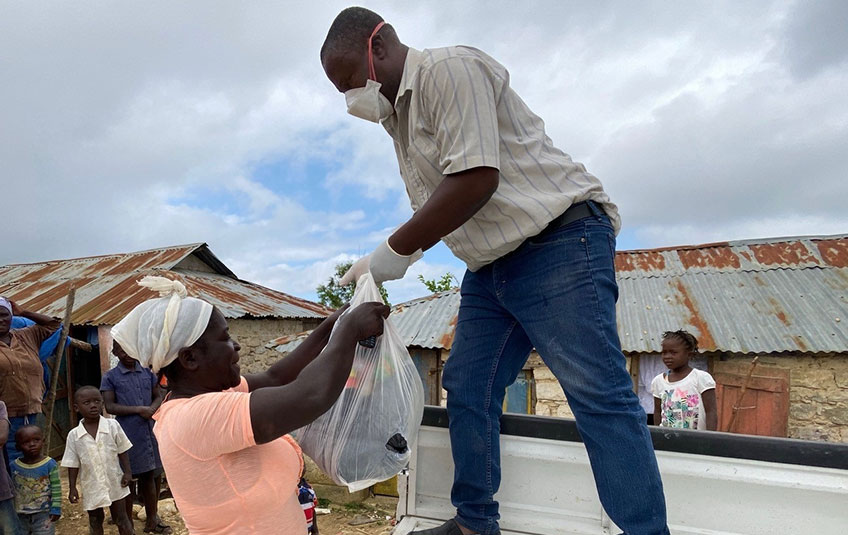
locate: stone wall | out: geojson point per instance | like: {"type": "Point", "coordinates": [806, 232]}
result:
{"type": "Point", "coordinates": [253, 334]}
{"type": "Point", "coordinates": [550, 399]}
{"type": "Point", "coordinates": [818, 391]}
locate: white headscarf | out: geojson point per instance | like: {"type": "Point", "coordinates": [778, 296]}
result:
{"type": "Point", "coordinates": [155, 331]}
{"type": "Point", "coordinates": [6, 304]}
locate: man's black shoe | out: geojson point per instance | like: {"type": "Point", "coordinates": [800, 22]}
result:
{"type": "Point", "coordinates": [448, 528]}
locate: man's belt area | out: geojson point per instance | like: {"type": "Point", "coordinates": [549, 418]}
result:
{"type": "Point", "coordinates": [574, 213]}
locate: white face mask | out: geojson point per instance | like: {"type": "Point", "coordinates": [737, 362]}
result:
{"type": "Point", "coordinates": [368, 103]}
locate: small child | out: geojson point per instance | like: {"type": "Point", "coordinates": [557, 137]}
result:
{"type": "Point", "coordinates": [308, 501]}
{"type": "Point", "coordinates": [684, 397]}
{"type": "Point", "coordinates": [96, 451]}
{"type": "Point", "coordinates": [38, 491]}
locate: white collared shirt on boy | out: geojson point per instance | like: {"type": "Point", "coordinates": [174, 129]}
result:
{"type": "Point", "coordinates": [100, 473]}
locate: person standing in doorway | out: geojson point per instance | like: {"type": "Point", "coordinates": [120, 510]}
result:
{"type": "Point", "coordinates": [537, 232]}
{"type": "Point", "coordinates": [684, 397]}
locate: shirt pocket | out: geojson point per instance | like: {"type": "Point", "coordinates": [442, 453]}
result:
{"type": "Point", "coordinates": [425, 158]}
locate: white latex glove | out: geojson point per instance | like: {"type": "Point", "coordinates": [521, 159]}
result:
{"type": "Point", "coordinates": [387, 265]}
{"type": "Point", "coordinates": [358, 269]}
{"type": "Point", "coordinates": [384, 264]}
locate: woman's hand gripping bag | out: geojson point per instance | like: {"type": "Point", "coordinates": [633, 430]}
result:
{"type": "Point", "coordinates": [367, 435]}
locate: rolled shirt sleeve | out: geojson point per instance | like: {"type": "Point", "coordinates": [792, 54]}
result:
{"type": "Point", "coordinates": [71, 458]}
{"type": "Point", "coordinates": [461, 94]}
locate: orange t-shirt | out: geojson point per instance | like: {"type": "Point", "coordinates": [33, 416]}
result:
{"type": "Point", "coordinates": [222, 482]}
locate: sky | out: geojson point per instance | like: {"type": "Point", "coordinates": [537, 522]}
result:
{"type": "Point", "coordinates": [135, 125]}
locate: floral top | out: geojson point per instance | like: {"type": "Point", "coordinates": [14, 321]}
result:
{"type": "Point", "coordinates": [681, 405]}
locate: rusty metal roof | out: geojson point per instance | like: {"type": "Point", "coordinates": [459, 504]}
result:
{"type": "Point", "coordinates": [427, 322]}
{"type": "Point", "coordinates": [286, 344]}
{"type": "Point", "coordinates": [754, 296]}
{"type": "Point", "coordinates": [106, 288]}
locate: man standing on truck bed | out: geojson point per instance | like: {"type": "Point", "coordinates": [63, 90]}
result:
{"type": "Point", "coordinates": [537, 233]}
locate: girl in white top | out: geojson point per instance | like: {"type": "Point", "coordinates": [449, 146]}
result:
{"type": "Point", "coordinates": [684, 397]}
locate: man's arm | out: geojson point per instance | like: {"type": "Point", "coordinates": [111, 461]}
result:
{"type": "Point", "coordinates": [708, 398]}
{"type": "Point", "coordinates": [286, 370]}
{"type": "Point", "coordinates": [460, 98]}
{"type": "Point", "coordinates": [455, 201]}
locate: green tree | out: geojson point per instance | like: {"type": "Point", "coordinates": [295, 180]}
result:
{"type": "Point", "coordinates": [447, 282]}
{"type": "Point", "coordinates": [334, 295]}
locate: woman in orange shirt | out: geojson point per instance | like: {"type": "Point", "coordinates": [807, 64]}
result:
{"type": "Point", "coordinates": [223, 437]}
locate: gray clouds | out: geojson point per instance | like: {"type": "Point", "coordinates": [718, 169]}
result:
{"type": "Point", "coordinates": [705, 120]}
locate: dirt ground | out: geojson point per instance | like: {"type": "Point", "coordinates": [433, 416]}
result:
{"type": "Point", "coordinates": [375, 516]}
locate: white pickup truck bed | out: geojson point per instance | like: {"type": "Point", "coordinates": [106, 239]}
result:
{"type": "Point", "coordinates": [715, 483]}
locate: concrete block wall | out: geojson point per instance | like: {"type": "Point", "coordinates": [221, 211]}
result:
{"type": "Point", "coordinates": [254, 333]}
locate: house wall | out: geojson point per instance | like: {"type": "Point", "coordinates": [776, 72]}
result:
{"type": "Point", "coordinates": [818, 391]}
{"type": "Point", "coordinates": [253, 334]}
{"type": "Point", "coordinates": [550, 399]}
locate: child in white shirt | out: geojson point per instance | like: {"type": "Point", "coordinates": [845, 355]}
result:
{"type": "Point", "coordinates": [96, 452]}
{"type": "Point", "coordinates": [684, 397]}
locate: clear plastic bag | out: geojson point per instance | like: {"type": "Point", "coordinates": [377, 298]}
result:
{"type": "Point", "coordinates": [367, 435]}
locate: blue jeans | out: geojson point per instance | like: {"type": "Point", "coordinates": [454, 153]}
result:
{"type": "Point", "coordinates": [557, 293]}
{"type": "Point", "coordinates": [37, 523]}
{"type": "Point", "coordinates": [9, 524]}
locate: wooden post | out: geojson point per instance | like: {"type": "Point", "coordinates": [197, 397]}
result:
{"type": "Point", "coordinates": [79, 344]}
{"type": "Point", "coordinates": [635, 362]}
{"type": "Point", "coordinates": [741, 395]}
{"type": "Point", "coordinates": [57, 364]}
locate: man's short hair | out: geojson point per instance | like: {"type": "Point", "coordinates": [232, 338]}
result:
{"type": "Point", "coordinates": [350, 31]}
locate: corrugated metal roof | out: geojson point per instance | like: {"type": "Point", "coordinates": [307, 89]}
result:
{"type": "Point", "coordinates": [286, 344]}
{"type": "Point", "coordinates": [106, 288]}
{"type": "Point", "coordinates": [754, 296]}
{"type": "Point", "coordinates": [427, 322]}
{"type": "Point", "coordinates": [749, 255]}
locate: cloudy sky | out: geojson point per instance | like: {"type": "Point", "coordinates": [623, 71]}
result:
{"type": "Point", "coordinates": [135, 125]}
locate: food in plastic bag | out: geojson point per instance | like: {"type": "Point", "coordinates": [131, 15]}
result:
{"type": "Point", "coordinates": [367, 435]}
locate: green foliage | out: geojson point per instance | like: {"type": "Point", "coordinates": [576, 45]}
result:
{"type": "Point", "coordinates": [356, 507]}
{"type": "Point", "coordinates": [447, 282]}
{"type": "Point", "coordinates": [334, 296]}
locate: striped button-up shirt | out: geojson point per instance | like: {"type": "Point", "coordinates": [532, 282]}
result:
{"type": "Point", "coordinates": [456, 111]}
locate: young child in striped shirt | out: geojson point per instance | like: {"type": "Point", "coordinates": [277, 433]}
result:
{"type": "Point", "coordinates": [38, 491]}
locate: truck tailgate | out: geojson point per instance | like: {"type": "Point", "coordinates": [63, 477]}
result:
{"type": "Point", "coordinates": [547, 486]}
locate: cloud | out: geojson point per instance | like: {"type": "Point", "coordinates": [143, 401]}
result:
{"type": "Point", "coordinates": [132, 126]}
{"type": "Point", "coordinates": [815, 38]}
